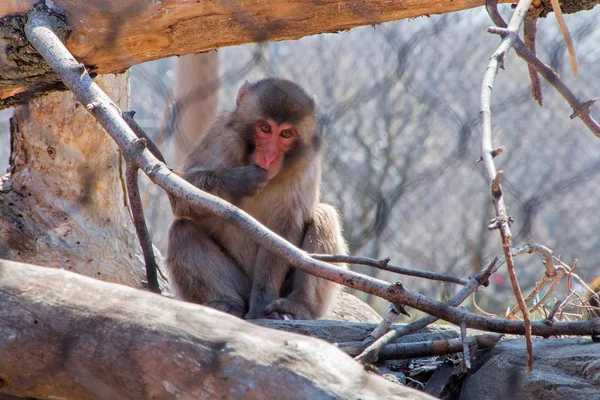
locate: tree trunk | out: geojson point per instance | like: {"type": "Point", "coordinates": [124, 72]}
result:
{"type": "Point", "coordinates": [63, 204]}
{"type": "Point", "coordinates": [194, 110]}
{"type": "Point", "coordinates": [67, 336]}
{"type": "Point", "coordinates": [197, 99]}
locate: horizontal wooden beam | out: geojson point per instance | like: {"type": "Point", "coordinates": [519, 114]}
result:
{"type": "Point", "coordinates": [109, 36]}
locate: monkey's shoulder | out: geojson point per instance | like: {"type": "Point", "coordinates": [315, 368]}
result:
{"type": "Point", "coordinates": [218, 148]}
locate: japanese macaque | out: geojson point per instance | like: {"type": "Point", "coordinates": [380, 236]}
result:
{"type": "Point", "coordinates": [265, 157]}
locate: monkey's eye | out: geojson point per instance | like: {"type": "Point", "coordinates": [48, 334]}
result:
{"type": "Point", "coordinates": [266, 128]}
{"type": "Point", "coordinates": [287, 133]}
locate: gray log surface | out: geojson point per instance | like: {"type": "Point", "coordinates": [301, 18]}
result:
{"type": "Point", "coordinates": [63, 335]}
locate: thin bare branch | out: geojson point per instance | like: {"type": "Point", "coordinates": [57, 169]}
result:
{"type": "Point", "coordinates": [399, 351]}
{"type": "Point", "coordinates": [481, 310]}
{"type": "Point", "coordinates": [384, 264]}
{"type": "Point", "coordinates": [384, 325]}
{"type": "Point", "coordinates": [465, 347]}
{"type": "Point", "coordinates": [494, 178]}
{"type": "Point", "coordinates": [552, 273]}
{"type": "Point", "coordinates": [558, 306]}
{"type": "Point", "coordinates": [137, 213]}
{"type": "Point", "coordinates": [534, 292]}
{"type": "Point", "coordinates": [546, 295]}
{"type": "Point", "coordinates": [370, 354]}
{"type": "Point", "coordinates": [139, 132]}
{"type": "Point", "coordinates": [548, 258]}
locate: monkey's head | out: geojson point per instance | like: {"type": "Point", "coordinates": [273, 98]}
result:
{"type": "Point", "coordinates": [276, 119]}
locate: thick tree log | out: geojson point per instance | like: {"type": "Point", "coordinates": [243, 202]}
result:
{"type": "Point", "coordinates": [109, 36]}
{"type": "Point", "coordinates": [63, 335]}
{"type": "Point", "coordinates": [63, 204]}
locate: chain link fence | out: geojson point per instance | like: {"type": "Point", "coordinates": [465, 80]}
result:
{"type": "Point", "coordinates": [399, 106]}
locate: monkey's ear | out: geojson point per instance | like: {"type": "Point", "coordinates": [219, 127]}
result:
{"type": "Point", "coordinates": [245, 88]}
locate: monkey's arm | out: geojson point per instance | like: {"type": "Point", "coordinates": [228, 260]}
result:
{"type": "Point", "coordinates": [230, 184]}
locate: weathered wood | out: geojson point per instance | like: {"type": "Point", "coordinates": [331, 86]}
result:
{"type": "Point", "coordinates": [64, 204]}
{"type": "Point", "coordinates": [63, 335]}
{"type": "Point", "coordinates": [109, 36]}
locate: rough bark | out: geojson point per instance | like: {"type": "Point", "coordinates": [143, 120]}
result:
{"type": "Point", "coordinates": [63, 204]}
{"type": "Point", "coordinates": [63, 335]}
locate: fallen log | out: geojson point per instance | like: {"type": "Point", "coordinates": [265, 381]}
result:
{"type": "Point", "coordinates": [63, 335]}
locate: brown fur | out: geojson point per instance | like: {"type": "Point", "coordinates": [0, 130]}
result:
{"type": "Point", "coordinates": [593, 298]}
{"type": "Point", "coordinates": [212, 262]}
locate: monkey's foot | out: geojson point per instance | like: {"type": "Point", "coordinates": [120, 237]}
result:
{"type": "Point", "coordinates": [227, 306]}
{"type": "Point", "coordinates": [287, 309]}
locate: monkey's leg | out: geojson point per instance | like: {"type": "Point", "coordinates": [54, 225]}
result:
{"type": "Point", "coordinates": [269, 274]}
{"type": "Point", "coordinates": [311, 297]}
{"type": "Point", "coordinates": [200, 272]}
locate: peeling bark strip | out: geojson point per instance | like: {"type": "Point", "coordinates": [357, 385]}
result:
{"type": "Point", "coordinates": [68, 336]}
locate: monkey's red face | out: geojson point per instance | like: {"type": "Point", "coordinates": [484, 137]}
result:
{"type": "Point", "coordinates": [273, 141]}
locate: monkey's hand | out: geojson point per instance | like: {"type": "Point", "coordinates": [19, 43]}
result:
{"type": "Point", "coordinates": [243, 181]}
{"type": "Point", "coordinates": [288, 309]}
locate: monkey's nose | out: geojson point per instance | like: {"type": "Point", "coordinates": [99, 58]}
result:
{"type": "Point", "coordinates": [267, 161]}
